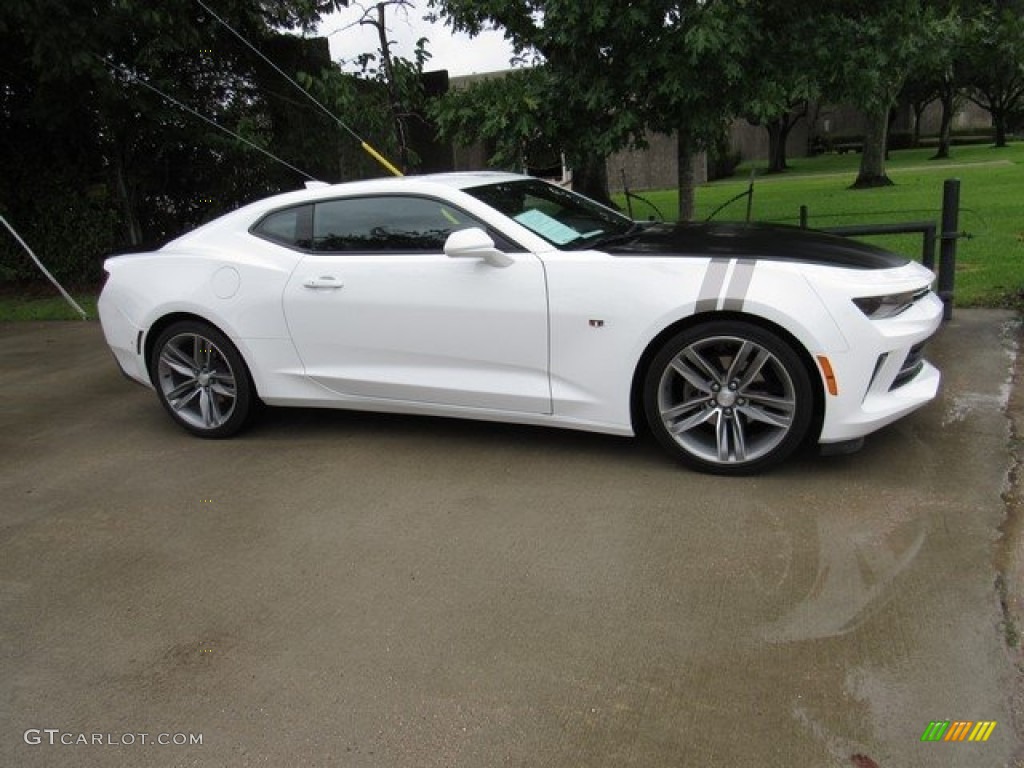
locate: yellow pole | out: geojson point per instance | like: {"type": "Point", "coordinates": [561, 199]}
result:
{"type": "Point", "coordinates": [380, 159]}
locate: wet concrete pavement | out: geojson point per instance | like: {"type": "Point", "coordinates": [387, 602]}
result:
{"type": "Point", "coordinates": [362, 590]}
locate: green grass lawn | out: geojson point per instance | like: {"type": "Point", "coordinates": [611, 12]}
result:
{"type": "Point", "coordinates": [990, 265]}
{"type": "Point", "coordinates": [14, 307]}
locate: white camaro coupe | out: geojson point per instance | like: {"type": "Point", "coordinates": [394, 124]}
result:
{"type": "Point", "coordinates": [501, 297]}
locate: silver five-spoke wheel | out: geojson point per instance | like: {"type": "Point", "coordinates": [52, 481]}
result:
{"type": "Point", "coordinates": [201, 379]}
{"type": "Point", "coordinates": [728, 397]}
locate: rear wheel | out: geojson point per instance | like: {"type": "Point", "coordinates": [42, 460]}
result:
{"type": "Point", "coordinates": [201, 379]}
{"type": "Point", "coordinates": [728, 397]}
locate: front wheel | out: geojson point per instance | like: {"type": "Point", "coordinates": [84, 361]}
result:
{"type": "Point", "coordinates": [728, 397]}
{"type": "Point", "coordinates": [201, 379]}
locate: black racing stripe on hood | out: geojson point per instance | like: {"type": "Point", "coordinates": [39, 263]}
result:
{"type": "Point", "coordinates": [756, 241]}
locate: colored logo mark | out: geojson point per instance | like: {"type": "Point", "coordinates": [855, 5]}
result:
{"type": "Point", "coordinates": [958, 730]}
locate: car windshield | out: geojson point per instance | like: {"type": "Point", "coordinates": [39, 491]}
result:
{"type": "Point", "coordinates": [563, 218]}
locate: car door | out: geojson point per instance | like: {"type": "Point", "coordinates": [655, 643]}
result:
{"type": "Point", "coordinates": [377, 310]}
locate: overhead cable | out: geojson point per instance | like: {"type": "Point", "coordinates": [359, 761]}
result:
{"type": "Point", "coordinates": [135, 78]}
{"type": "Point", "coordinates": [362, 142]}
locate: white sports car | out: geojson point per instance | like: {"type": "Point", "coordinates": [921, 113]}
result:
{"type": "Point", "coordinates": [501, 297]}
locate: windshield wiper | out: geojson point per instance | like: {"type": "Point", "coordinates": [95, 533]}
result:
{"type": "Point", "coordinates": [611, 239]}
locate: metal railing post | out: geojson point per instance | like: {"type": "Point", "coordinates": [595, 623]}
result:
{"type": "Point", "coordinates": [946, 236]}
{"type": "Point", "coordinates": [947, 250]}
{"type": "Point", "coordinates": [928, 247]}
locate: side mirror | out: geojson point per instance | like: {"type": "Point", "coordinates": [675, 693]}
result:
{"type": "Point", "coordinates": [474, 243]}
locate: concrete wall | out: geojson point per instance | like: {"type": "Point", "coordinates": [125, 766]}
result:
{"type": "Point", "coordinates": [970, 117]}
{"type": "Point", "coordinates": [844, 121]}
{"type": "Point", "coordinates": [655, 167]}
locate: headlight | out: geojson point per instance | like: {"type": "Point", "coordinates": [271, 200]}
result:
{"type": "Point", "coordinates": [890, 305]}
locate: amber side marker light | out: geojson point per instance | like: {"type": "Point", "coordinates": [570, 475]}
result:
{"type": "Point", "coordinates": [830, 377]}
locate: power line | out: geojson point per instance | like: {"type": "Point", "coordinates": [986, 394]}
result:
{"type": "Point", "coordinates": [362, 142]}
{"type": "Point", "coordinates": [135, 78]}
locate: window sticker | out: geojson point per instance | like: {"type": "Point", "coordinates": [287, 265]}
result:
{"type": "Point", "coordinates": [547, 227]}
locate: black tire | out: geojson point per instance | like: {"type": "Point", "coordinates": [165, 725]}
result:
{"type": "Point", "coordinates": [201, 379]}
{"type": "Point", "coordinates": [728, 397]}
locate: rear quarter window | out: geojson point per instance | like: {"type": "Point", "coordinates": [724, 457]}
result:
{"type": "Point", "coordinates": [292, 227]}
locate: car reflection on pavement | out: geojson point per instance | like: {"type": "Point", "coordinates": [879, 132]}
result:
{"type": "Point", "coordinates": [860, 561]}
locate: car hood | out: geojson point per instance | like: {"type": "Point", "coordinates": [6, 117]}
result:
{"type": "Point", "coordinates": [755, 241]}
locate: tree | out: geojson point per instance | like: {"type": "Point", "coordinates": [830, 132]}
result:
{"type": "Point", "coordinates": [80, 86]}
{"type": "Point", "coordinates": [936, 73]}
{"type": "Point", "coordinates": [577, 97]}
{"type": "Point", "coordinates": [781, 62]}
{"type": "Point", "coordinates": [507, 111]}
{"type": "Point", "coordinates": [877, 42]}
{"type": "Point", "coordinates": [995, 61]}
{"type": "Point", "coordinates": [918, 93]}
{"type": "Point", "coordinates": [612, 71]}
{"type": "Point", "coordinates": [399, 80]}
{"type": "Point", "coordinates": [779, 125]}
{"type": "Point", "coordinates": [692, 84]}
{"type": "Point", "coordinates": [950, 101]}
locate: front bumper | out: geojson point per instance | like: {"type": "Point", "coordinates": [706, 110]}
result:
{"type": "Point", "coordinates": [884, 375]}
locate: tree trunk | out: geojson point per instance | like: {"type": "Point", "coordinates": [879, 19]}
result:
{"type": "Point", "coordinates": [872, 159]}
{"type": "Point", "coordinates": [945, 125]}
{"type": "Point", "coordinates": [888, 131]}
{"type": "Point", "coordinates": [590, 178]}
{"type": "Point", "coordinates": [398, 124]}
{"type": "Point", "coordinates": [919, 108]}
{"type": "Point", "coordinates": [999, 108]}
{"type": "Point", "coordinates": [685, 178]}
{"type": "Point", "coordinates": [777, 135]}
{"type": "Point", "coordinates": [999, 123]}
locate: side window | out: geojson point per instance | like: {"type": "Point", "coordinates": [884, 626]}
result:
{"type": "Point", "coordinates": [291, 227]}
{"type": "Point", "coordinates": [386, 225]}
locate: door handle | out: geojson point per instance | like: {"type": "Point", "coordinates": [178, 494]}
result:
{"type": "Point", "coordinates": [324, 282]}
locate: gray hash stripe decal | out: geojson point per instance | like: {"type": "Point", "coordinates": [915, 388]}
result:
{"type": "Point", "coordinates": [742, 274]}
{"type": "Point", "coordinates": [714, 279]}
